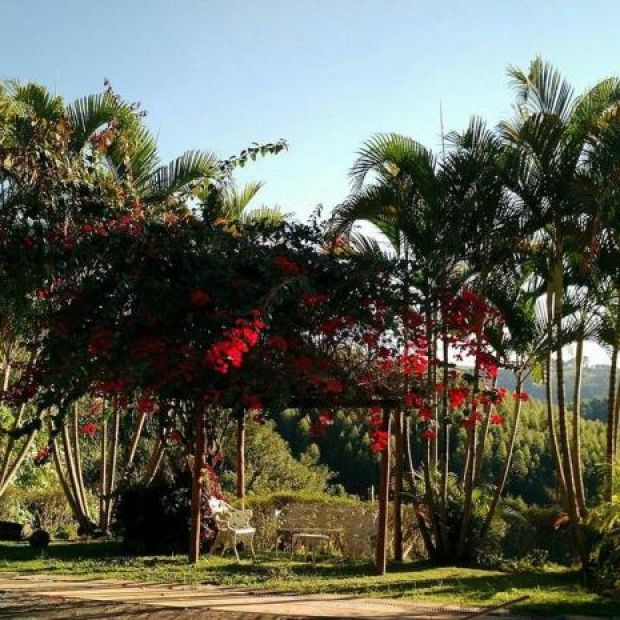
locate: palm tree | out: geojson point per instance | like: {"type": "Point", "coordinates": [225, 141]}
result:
{"type": "Point", "coordinates": [547, 142]}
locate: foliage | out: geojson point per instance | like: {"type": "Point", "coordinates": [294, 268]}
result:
{"type": "Point", "coordinates": [270, 467]}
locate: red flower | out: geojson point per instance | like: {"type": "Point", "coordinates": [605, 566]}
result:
{"type": "Point", "coordinates": [278, 343]}
{"type": "Point", "coordinates": [200, 297]}
{"type": "Point", "coordinates": [457, 397]}
{"type": "Point", "coordinates": [429, 434]}
{"type": "Point", "coordinates": [379, 441]}
{"type": "Point", "coordinates": [495, 418]}
{"type": "Point", "coordinates": [333, 386]}
{"type": "Point", "coordinates": [313, 299]}
{"type": "Point", "coordinates": [522, 396]}
{"type": "Point", "coordinates": [286, 265]}
{"type": "Point", "coordinates": [251, 401]}
{"type": "Point", "coordinates": [88, 429]}
{"type": "Point", "coordinates": [303, 363]}
{"type": "Point", "coordinates": [175, 437]}
{"type": "Point", "coordinates": [326, 418]}
{"type": "Point", "coordinates": [42, 456]}
{"type": "Point", "coordinates": [146, 404]}
{"type": "Point", "coordinates": [425, 414]}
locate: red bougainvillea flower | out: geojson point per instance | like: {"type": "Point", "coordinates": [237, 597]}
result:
{"type": "Point", "coordinates": [88, 429]}
{"type": "Point", "coordinates": [333, 386]}
{"type": "Point", "coordinates": [303, 363]}
{"type": "Point", "coordinates": [376, 416]}
{"type": "Point", "coordinates": [429, 434]}
{"type": "Point", "coordinates": [311, 300]}
{"type": "Point", "coordinates": [496, 418]}
{"type": "Point", "coordinates": [326, 418]}
{"type": "Point", "coordinates": [379, 441]}
{"type": "Point", "coordinates": [146, 404]}
{"type": "Point", "coordinates": [458, 396]}
{"type": "Point", "coordinates": [413, 400]}
{"type": "Point", "coordinates": [251, 401]}
{"type": "Point", "coordinates": [175, 437]}
{"type": "Point", "coordinates": [42, 456]}
{"type": "Point", "coordinates": [317, 430]}
{"type": "Point", "coordinates": [425, 414]}
{"type": "Point", "coordinates": [286, 265]}
{"type": "Point", "coordinates": [439, 387]}
{"type": "Point", "coordinates": [522, 396]}
{"type": "Point", "coordinates": [278, 342]}
{"type": "Point", "coordinates": [200, 297]}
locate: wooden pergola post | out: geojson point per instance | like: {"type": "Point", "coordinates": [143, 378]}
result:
{"type": "Point", "coordinates": [197, 483]}
{"type": "Point", "coordinates": [384, 492]}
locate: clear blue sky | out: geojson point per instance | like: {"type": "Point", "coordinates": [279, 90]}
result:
{"type": "Point", "coordinates": [324, 74]}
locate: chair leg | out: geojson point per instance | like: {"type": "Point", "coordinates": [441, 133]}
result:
{"type": "Point", "coordinates": [235, 547]}
{"type": "Point", "coordinates": [252, 547]}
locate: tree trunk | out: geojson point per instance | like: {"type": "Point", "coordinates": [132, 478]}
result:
{"type": "Point", "coordinates": [398, 485]}
{"type": "Point", "coordinates": [199, 456]}
{"type": "Point", "coordinates": [133, 443]}
{"type": "Point", "coordinates": [565, 447]}
{"type": "Point", "coordinates": [576, 447]}
{"type": "Point", "coordinates": [154, 462]}
{"type": "Point", "coordinates": [611, 411]}
{"type": "Point", "coordinates": [75, 437]}
{"type": "Point", "coordinates": [12, 468]}
{"type": "Point", "coordinates": [431, 549]}
{"type": "Point", "coordinates": [503, 478]}
{"type": "Point", "coordinates": [113, 460]}
{"type": "Point", "coordinates": [103, 474]}
{"type": "Point", "coordinates": [384, 492]}
{"type": "Point", "coordinates": [241, 458]}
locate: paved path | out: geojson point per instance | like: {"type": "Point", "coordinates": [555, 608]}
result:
{"type": "Point", "coordinates": [45, 597]}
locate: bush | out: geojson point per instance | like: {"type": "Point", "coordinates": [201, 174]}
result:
{"type": "Point", "coordinates": [39, 539]}
{"type": "Point", "coordinates": [154, 519]}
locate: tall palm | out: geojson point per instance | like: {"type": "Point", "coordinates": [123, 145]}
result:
{"type": "Point", "coordinates": [547, 142]}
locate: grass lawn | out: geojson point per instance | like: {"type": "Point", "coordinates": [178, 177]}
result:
{"type": "Point", "coordinates": [552, 592]}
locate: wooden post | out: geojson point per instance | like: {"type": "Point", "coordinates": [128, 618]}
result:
{"type": "Point", "coordinates": [384, 491]}
{"type": "Point", "coordinates": [199, 455]}
{"type": "Point", "coordinates": [241, 458]}
{"type": "Point", "coordinates": [398, 486]}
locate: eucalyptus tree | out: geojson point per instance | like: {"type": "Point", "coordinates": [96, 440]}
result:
{"type": "Point", "coordinates": [547, 141]}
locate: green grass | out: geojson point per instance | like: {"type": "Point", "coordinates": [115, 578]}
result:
{"type": "Point", "coordinates": [552, 592]}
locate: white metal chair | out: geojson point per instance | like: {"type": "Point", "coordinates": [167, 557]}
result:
{"type": "Point", "coordinates": [234, 527]}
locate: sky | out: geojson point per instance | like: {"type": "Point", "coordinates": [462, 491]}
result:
{"type": "Point", "coordinates": [323, 74]}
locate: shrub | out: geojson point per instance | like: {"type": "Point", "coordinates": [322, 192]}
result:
{"type": "Point", "coordinates": [39, 539]}
{"type": "Point", "coordinates": [155, 519]}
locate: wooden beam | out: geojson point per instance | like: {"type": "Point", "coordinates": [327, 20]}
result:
{"type": "Point", "coordinates": [199, 455]}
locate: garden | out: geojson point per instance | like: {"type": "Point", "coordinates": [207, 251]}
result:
{"type": "Point", "coordinates": [200, 390]}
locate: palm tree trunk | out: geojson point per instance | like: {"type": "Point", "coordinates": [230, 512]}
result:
{"type": "Point", "coordinates": [611, 423]}
{"type": "Point", "coordinates": [133, 442]}
{"type": "Point", "coordinates": [384, 492]}
{"type": "Point", "coordinates": [576, 452]}
{"type": "Point", "coordinates": [197, 484]}
{"type": "Point", "coordinates": [431, 549]}
{"type": "Point", "coordinates": [241, 458]}
{"type": "Point", "coordinates": [113, 460]}
{"type": "Point", "coordinates": [154, 462]}
{"type": "Point", "coordinates": [12, 468]}
{"type": "Point", "coordinates": [565, 446]}
{"type": "Point", "coordinates": [75, 439]}
{"type": "Point", "coordinates": [398, 485]}
{"type": "Point", "coordinates": [103, 474]}
{"type": "Point", "coordinates": [555, 448]}
{"type": "Point", "coordinates": [503, 478]}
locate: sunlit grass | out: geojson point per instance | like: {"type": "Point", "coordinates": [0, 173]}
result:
{"type": "Point", "coordinates": [551, 592]}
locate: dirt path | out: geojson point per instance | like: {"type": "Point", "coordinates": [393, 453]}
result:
{"type": "Point", "coordinates": [52, 598]}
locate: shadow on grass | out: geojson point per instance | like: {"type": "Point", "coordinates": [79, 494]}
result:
{"type": "Point", "coordinates": [553, 592]}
